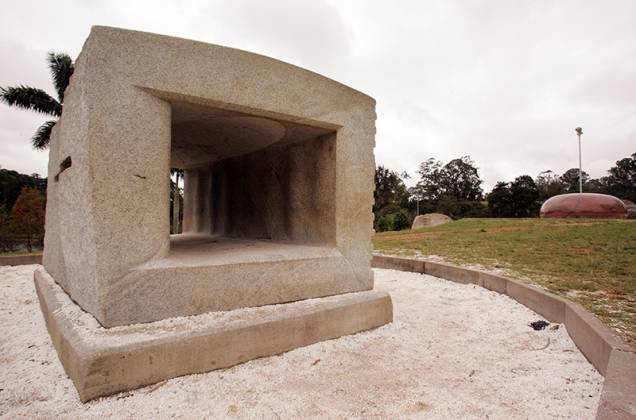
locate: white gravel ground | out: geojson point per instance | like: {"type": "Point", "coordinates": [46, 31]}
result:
{"type": "Point", "coordinates": [454, 351]}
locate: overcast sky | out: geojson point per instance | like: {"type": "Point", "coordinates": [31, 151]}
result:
{"type": "Point", "coordinates": [504, 82]}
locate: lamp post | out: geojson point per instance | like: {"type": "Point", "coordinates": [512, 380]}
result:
{"type": "Point", "coordinates": [579, 131]}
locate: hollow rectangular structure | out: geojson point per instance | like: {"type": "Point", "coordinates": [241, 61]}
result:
{"type": "Point", "coordinates": [278, 187]}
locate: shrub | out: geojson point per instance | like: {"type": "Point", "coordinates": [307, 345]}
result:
{"type": "Point", "coordinates": [384, 224]}
{"type": "Point", "coordinates": [401, 221]}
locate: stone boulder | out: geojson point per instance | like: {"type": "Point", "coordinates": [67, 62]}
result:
{"type": "Point", "coordinates": [590, 205]}
{"type": "Point", "coordinates": [430, 219]}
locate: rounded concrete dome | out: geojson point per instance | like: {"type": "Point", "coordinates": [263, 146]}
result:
{"type": "Point", "coordinates": [584, 205]}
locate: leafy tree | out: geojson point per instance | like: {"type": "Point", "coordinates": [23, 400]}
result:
{"type": "Point", "coordinates": [176, 201]}
{"type": "Point", "coordinates": [525, 197]}
{"type": "Point", "coordinates": [621, 181]}
{"type": "Point", "coordinates": [500, 201]}
{"type": "Point", "coordinates": [519, 198]}
{"type": "Point", "coordinates": [428, 187]}
{"type": "Point", "coordinates": [38, 100]}
{"type": "Point", "coordinates": [455, 208]}
{"type": "Point", "coordinates": [7, 242]}
{"type": "Point", "coordinates": [27, 217]}
{"type": "Point", "coordinates": [453, 188]}
{"type": "Point", "coordinates": [596, 186]}
{"type": "Point", "coordinates": [549, 184]}
{"type": "Point", "coordinates": [458, 179]}
{"type": "Point", "coordinates": [570, 180]}
{"type": "Point", "coordinates": [391, 197]}
{"type": "Point", "coordinates": [384, 224]}
{"type": "Point", "coordinates": [12, 182]}
{"type": "Point", "coordinates": [401, 221]}
{"type": "Point", "coordinates": [389, 188]}
{"type": "Point", "coordinates": [461, 180]}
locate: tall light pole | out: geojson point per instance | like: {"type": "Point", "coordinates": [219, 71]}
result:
{"type": "Point", "coordinates": [579, 131]}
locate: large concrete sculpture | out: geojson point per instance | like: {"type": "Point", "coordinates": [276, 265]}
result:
{"type": "Point", "coordinates": [278, 166]}
{"type": "Point", "coordinates": [585, 205]}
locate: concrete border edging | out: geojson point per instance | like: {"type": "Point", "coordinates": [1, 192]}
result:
{"type": "Point", "coordinates": [396, 263]}
{"type": "Point", "coordinates": [21, 260]}
{"type": "Point", "coordinates": [607, 352]}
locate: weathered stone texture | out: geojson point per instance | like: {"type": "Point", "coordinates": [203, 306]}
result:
{"type": "Point", "coordinates": [278, 170]}
{"type": "Point", "coordinates": [278, 184]}
{"type": "Point", "coordinates": [429, 220]}
{"type": "Point", "coordinates": [102, 362]}
{"type": "Point", "coordinates": [587, 205]}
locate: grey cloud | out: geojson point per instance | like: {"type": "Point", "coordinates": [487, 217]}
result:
{"type": "Point", "coordinates": [311, 34]}
{"type": "Point", "coordinates": [503, 82]}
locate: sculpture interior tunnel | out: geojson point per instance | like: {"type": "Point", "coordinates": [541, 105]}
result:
{"type": "Point", "coordinates": [252, 178]}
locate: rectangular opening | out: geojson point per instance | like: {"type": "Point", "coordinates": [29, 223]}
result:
{"type": "Point", "coordinates": [259, 187]}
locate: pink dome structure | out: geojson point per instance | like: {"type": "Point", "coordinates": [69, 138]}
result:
{"type": "Point", "coordinates": [591, 205]}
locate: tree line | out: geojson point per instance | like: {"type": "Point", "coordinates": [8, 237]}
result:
{"type": "Point", "coordinates": [22, 203]}
{"type": "Point", "coordinates": [455, 189]}
{"type": "Point", "coordinates": [22, 197]}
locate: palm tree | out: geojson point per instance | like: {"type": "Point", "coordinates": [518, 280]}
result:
{"type": "Point", "coordinates": [175, 201]}
{"type": "Point", "coordinates": [34, 99]}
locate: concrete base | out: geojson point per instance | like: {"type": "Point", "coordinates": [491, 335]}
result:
{"type": "Point", "coordinates": [21, 260]}
{"type": "Point", "coordinates": [104, 361]}
{"type": "Point", "coordinates": [212, 273]}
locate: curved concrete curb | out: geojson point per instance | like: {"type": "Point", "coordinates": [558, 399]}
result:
{"type": "Point", "coordinates": [21, 260]}
{"type": "Point", "coordinates": [610, 355]}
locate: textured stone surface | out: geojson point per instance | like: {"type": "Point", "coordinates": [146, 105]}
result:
{"type": "Point", "coordinates": [273, 155]}
{"type": "Point", "coordinates": [396, 263]}
{"type": "Point", "coordinates": [430, 219]}
{"type": "Point", "coordinates": [594, 339]}
{"type": "Point", "coordinates": [105, 361]}
{"type": "Point", "coordinates": [618, 400]}
{"type": "Point", "coordinates": [493, 282]}
{"type": "Point", "coordinates": [282, 193]}
{"type": "Point", "coordinates": [451, 272]}
{"type": "Point", "coordinates": [550, 306]}
{"type": "Point", "coordinates": [593, 205]}
{"type": "Point", "coordinates": [225, 274]}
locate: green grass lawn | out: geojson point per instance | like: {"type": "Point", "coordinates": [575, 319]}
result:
{"type": "Point", "coordinates": [589, 261]}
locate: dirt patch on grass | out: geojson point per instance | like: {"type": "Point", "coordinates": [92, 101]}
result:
{"type": "Point", "coordinates": [410, 237]}
{"type": "Point", "coordinates": [507, 229]}
{"type": "Point", "coordinates": [573, 224]}
{"type": "Point", "coordinates": [534, 226]}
